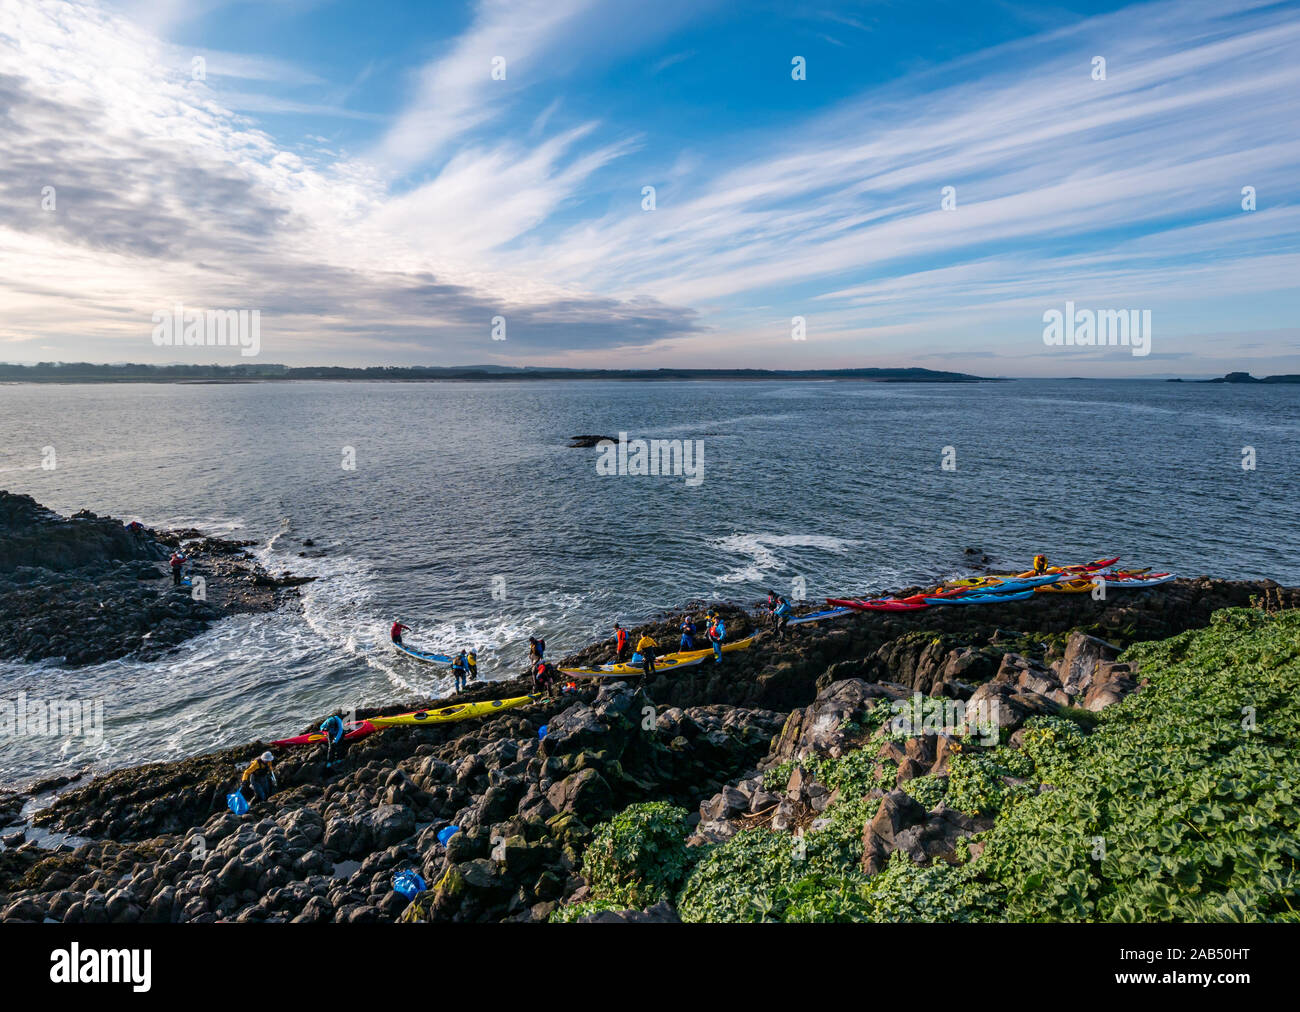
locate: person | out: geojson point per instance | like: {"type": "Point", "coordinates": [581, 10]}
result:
{"type": "Point", "coordinates": [646, 647]}
{"type": "Point", "coordinates": [620, 642]}
{"type": "Point", "coordinates": [135, 527]}
{"type": "Point", "coordinates": [260, 776]}
{"type": "Point", "coordinates": [536, 649]}
{"type": "Point", "coordinates": [333, 731]}
{"type": "Point", "coordinates": [688, 634]}
{"type": "Point", "coordinates": [177, 561]}
{"type": "Point", "coordinates": [396, 631]}
{"type": "Point", "coordinates": [471, 663]}
{"type": "Point", "coordinates": [1040, 564]}
{"type": "Point", "coordinates": [460, 669]}
{"type": "Point", "coordinates": [714, 636]}
{"type": "Point", "coordinates": [781, 614]}
{"type": "Point", "coordinates": [543, 677]}
{"type": "Point", "coordinates": [772, 598]}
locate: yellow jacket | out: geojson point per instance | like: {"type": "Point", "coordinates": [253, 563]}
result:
{"type": "Point", "coordinates": [256, 768]}
{"type": "Point", "coordinates": [644, 642]}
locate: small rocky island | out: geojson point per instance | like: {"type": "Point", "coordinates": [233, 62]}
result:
{"type": "Point", "coordinates": [86, 589]}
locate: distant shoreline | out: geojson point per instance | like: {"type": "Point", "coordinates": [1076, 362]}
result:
{"type": "Point", "coordinates": [131, 373]}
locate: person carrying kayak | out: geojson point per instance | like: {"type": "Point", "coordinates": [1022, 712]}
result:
{"type": "Point", "coordinates": [260, 776]}
{"type": "Point", "coordinates": [333, 731]}
{"type": "Point", "coordinates": [646, 647]}
{"type": "Point", "coordinates": [177, 561]}
{"type": "Point", "coordinates": [781, 615]}
{"type": "Point", "coordinates": [688, 634]}
{"type": "Point", "coordinates": [1040, 565]}
{"type": "Point", "coordinates": [620, 642]}
{"type": "Point", "coordinates": [460, 669]}
{"type": "Point", "coordinates": [396, 631]}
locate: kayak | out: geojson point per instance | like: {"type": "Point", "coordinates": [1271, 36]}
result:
{"type": "Point", "coordinates": [681, 657]}
{"type": "Point", "coordinates": [420, 655]}
{"type": "Point", "coordinates": [817, 616]}
{"type": "Point", "coordinates": [1066, 587]}
{"type": "Point", "coordinates": [1154, 580]}
{"type": "Point", "coordinates": [983, 598]}
{"type": "Point", "coordinates": [1086, 567]}
{"type": "Point", "coordinates": [626, 668]}
{"type": "Point", "coordinates": [1019, 584]}
{"type": "Point", "coordinates": [460, 711]}
{"type": "Point", "coordinates": [359, 729]}
{"type": "Point", "coordinates": [878, 604]}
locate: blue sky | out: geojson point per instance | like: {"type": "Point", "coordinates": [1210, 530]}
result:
{"type": "Point", "coordinates": [354, 171]}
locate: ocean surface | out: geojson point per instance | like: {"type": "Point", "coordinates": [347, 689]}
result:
{"type": "Point", "coordinates": [467, 516]}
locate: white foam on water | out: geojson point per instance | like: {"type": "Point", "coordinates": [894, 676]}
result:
{"type": "Point", "coordinates": [761, 549]}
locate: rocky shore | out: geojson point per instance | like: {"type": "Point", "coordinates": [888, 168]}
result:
{"type": "Point", "coordinates": [85, 589]}
{"type": "Point", "coordinates": [624, 802]}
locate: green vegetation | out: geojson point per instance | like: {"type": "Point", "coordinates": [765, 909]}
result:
{"type": "Point", "coordinates": [637, 858]}
{"type": "Point", "coordinates": [1182, 805]}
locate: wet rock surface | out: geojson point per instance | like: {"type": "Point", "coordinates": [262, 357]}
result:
{"type": "Point", "coordinates": [86, 589]}
{"type": "Point", "coordinates": [495, 816]}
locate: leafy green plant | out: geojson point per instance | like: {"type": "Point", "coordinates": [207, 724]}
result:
{"type": "Point", "coordinates": [639, 857]}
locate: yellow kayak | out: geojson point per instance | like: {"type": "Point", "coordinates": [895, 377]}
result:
{"type": "Point", "coordinates": [460, 711]}
{"type": "Point", "coordinates": [683, 659]}
{"type": "Point", "coordinates": [1067, 587]}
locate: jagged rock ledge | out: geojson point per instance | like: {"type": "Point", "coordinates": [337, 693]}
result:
{"type": "Point", "coordinates": [86, 589]}
{"type": "Point", "coordinates": [162, 847]}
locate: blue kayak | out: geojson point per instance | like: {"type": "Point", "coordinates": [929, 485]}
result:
{"type": "Point", "coordinates": [420, 655]}
{"type": "Point", "coordinates": [983, 598]}
{"type": "Point", "coordinates": [1015, 586]}
{"type": "Point", "coordinates": [817, 616]}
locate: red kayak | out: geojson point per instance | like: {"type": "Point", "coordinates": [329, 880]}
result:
{"type": "Point", "coordinates": [359, 729]}
{"type": "Point", "coordinates": [878, 604]}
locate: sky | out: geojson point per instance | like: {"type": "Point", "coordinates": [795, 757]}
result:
{"type": "Point", "coordinates": [918, 183]}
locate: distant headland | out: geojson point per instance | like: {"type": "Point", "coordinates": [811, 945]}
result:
{"type": "Point", "coordinates": [1245, 377]}
{"type": "Point", "coordinates": [88, 372]}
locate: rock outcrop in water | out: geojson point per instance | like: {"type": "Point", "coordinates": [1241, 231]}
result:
{"type": "Point", "coordinates": [85, 589]}
{"type": "Point", "coordinates": [741, 743]}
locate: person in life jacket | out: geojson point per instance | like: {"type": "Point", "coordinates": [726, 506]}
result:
{"type": "Point", "coordinates": [781, 613]}
{"type": "Point", "coordinates": [620, 642]}
{"type": "Point", "coordinates": [177, 561]}
{"type": "Point", "coordinates": [536, 649]}
{"type": "Point", "coordinates": [396, 631]}
{"type": "Point", "coordinates": [714, 636]}
{"type": "Point", "coordinates": [260, 776]}
{"type": "Point", "coordinates": [460, 669]}
{"type": "Point", "coordinates": [688, 634]}
{"type": "Point", "coordinates": [543, 677]}
{"type": "Point", "coordinates": [646, 647]}
{"type": "Point", "coordinates": [772, 598]}
{"type": "Point", "coordinates": [1040, 564]}
{"type": "Point", "coordinates": [471, 663]}
{"type": "Point", "coordinates": [333, 731]}
{"type": "Point", "coordinates": [135, 527]}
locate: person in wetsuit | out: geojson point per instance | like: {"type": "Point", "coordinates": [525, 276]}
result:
{"type": "Point", "coordinates": [333, 731]}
